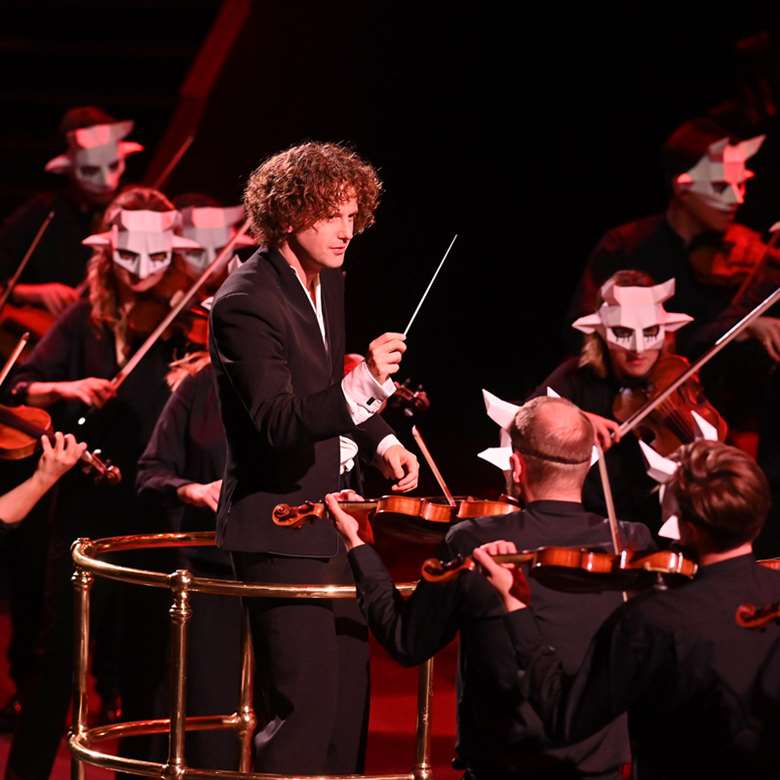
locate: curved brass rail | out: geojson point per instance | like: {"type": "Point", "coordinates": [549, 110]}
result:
{"type": "Point", "coordinates": [82, 740]}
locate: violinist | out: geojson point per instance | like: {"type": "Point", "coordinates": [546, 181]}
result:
{"type": "Point", "coordinates": [68, 373]}
{"type": "Point", "coordinates": [294, 427]}
{"type": "Point", "coordinates": [92, 166]}
{"type": "Point", "coordinates": [498, 737]}
{"type": "Point", "coordinates": [625, 345]}
{"type": "Point", "coordinates": [700, 691]}
{"type": "Point", "coordinates": [58, 457]}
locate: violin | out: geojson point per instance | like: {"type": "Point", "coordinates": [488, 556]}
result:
{"type": "Point", "coordinates": [409, 401]}
{"type": "Point", "coordinates": [424, 519]}
{"type": "Point", "coordinates": [21, 428]}
{"type": "Point", "coordinates": [581, 570]}
{"type": "Point", "coordinates": [671, 422]}
{"type": "Point", "coordinates": [150, 307]}
{"type": "Point", "coordinates": [728, 260]}
{"type": "Point", "coordinates": [752, 616]}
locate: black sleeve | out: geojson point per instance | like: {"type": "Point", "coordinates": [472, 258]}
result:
{"type": "Point", "coordinates": [248, 343]}
{"type": "Point", "coordinates": [561, 380]}
{"type": "Point", "coordinates": [164, 461]}
{"type": "Point", "coordinates": [370, 433]}
{"type": "Point", "coordinates": [411, 630]}
{"type": "Point", "coordinates": [622, 664]}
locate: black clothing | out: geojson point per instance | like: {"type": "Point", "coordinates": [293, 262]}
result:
{"type": "Point", "coordinates": [72, 350]}
{"type": "Point", "coordinates": [631, 487]}
{"type": "Point", "coordinates": [499, 736]}
{"type": "Point", "coordinates": [281, 403]}
{"type": "Point", "coordinates": [60, 257]}
{"type": "Point", "coordinates": [188, 445]}
{"type": "Point", "coordinates": [700, 691]}
{"type": "Point", "coordinates": [650, 245]}
{"type": "Point", "coordinates": [283, 410]}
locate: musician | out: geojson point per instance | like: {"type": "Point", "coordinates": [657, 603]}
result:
{"type": "Point", "coordinates": [624, 340]}
{"type": "Point", "coordinates": [498, 736]}
{"type": "Point", "coordinates": [69, 371]}
{"type": "Point", "coordinates": [700, 691]}
{"type": "Point", "coordinates": [57, 459]}
{"type": "Point", "coordinates": [181, 468]}
{"type": "Point", "coordinates": [92, 166]}
{"type": "Point", "coordinates": [294, 427]}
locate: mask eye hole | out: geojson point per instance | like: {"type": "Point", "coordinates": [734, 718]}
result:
{"type": "Point", "coordinates": [622, 334]}
{"type": "Point", "coordinates": [127, 256]}
{"type": "Point", "coordinates": [89, 170]}
{"type": "Point", "coordinates": [651, 332]}
{"type": "Point", "coordinates": [158, 257]}
{"type": "Point", "coordinates": [114, 166]}
{"type": "Point", "coordinates": [720, 186]}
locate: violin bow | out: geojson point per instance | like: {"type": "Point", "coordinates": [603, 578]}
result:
{"type": "Point", "coordinates": [14, 280]}
{"type": "Point", "coordinates": [173, 162]}
{"type": "Point", "coordinates": [430, 284]}
{"type": "Point", "coordinates": [770, 246]}
{"type": "Point", "coordinates": [432, 464]}
{"type": "Point", "coordinates": [216, 266]}
{"type": "Point", "coordinates": [614, 526]}
{"type": "Point", "coordinates": [13, 357]}
{"type": "Point", "coordinates": [722, 342]}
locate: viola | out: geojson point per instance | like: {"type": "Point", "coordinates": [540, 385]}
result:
{"type": "Point", "coordinates": [728, 260]}
{"type": "Point", "coordinates": [581, 570]}
{"type": "Point", "coordinates": [21, 428]}
{"type": "Point", "coordinates": [671, 422]}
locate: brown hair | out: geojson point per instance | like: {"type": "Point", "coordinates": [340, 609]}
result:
{"type": "Point", "coordinates": [722, 490]}
{"type": "Point", "coordinates": [594, 350]}
{"type": "Point", "coordinates": [191, 364]}
{"type": "Point", "coordinates": [103, 295]}
{"type": "Point", "coordinates": [555, 439]}
{"type": "Point", "coordinates": [297, 187]}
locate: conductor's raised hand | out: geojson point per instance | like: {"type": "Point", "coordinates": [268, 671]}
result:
{"type": "Point", "coordinates": [384, 355]}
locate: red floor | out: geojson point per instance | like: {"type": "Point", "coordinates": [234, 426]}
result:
{"type": "Point", "coordinates": [391, 746]}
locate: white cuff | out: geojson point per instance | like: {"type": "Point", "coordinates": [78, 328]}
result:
{"type": "Point", "coordinates": [389, 441]}
{"type": "Point", "coordinates": [364, 395]}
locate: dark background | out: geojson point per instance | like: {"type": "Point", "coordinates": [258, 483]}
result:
{"type": "Point", "coordinates": [526, 130]}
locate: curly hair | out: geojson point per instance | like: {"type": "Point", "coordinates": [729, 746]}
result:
{"type": "Point", "coordinates": [594, 350]}
{"type": "Point", "coordinates": [103, 293]}
{"type": "Point", "coordinates": [306, 183]}
{"type": "Point", "coordinates": [722, 490]}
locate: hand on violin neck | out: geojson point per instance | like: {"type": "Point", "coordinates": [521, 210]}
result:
{"type": "Point", "coordinates": [396, 462]}
{"type": "Point", "coordinates": [607, 432]}
{"type": "Point", "coordinates": [508, 580]}
{"type": "Point", "coordinates": [346, 525]}
{"type": "Point", "coordinates": [384, 355]}
{"type": "Point", "coordinates": [58, 458]}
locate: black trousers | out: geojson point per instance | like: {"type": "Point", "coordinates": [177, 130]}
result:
{"type": "Point", "coordinates": [312, 676]}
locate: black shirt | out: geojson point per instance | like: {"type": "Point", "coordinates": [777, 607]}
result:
{"type": "Point", "coordinates": [187, 445]}
{"type": "Point", "coordinates": [497, 733]}
{"type": "Point", "coordinates": [631, 487]}
{"type": "Point", "coordinates": [60, 257]}
{"type": "Point", "coordinates": [701, 693]}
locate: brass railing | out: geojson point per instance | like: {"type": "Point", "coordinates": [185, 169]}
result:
{"type": "Point", "coordinates": [83, 740]}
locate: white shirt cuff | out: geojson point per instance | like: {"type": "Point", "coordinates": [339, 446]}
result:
{"type": "Point", "coordinates": [389, 441]}
{"type": "Point", "coordinates": [364, 395]}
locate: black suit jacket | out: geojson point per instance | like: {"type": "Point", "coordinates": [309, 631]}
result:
{"type": "Point", "coordinates": [281, 403]}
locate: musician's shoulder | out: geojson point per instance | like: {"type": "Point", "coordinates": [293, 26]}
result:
{"type": "Point", "coordinates": [475, 531]}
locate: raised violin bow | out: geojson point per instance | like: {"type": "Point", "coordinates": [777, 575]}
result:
{"type": "Point", "coordinates": [694, 368]}
{"type": "Point", "coordinates": [14, 280]}
{"type": "Point", "coordinates": [432, 465]}
{"type": "Point", "coordinates": [173, 162]}
{"type": "Point", "coordinates": [13, 357]}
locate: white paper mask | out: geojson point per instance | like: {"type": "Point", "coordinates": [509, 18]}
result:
{"type": "Point", "coordinates": [142, 241]}
{"type": "Point", "coordinates": [720, 175]}
{"type": "Point", "coordinates": [662, 469]}
{"type": "Point", "coordinates": [211, 227]}
{"type": "Point", "coordinates": [96, 156]}
{"type": "Point", "coordinates": [633, 318]}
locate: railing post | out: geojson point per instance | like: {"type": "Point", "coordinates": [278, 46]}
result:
{"type": "Point", "coordinates": [423, 769]}
{"type": "Point", "coordinates": [82, 587]}
{"type": "Point", "coordinates": [246, 713]}
{"type": "Point", "coordinates": [180, 613]}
